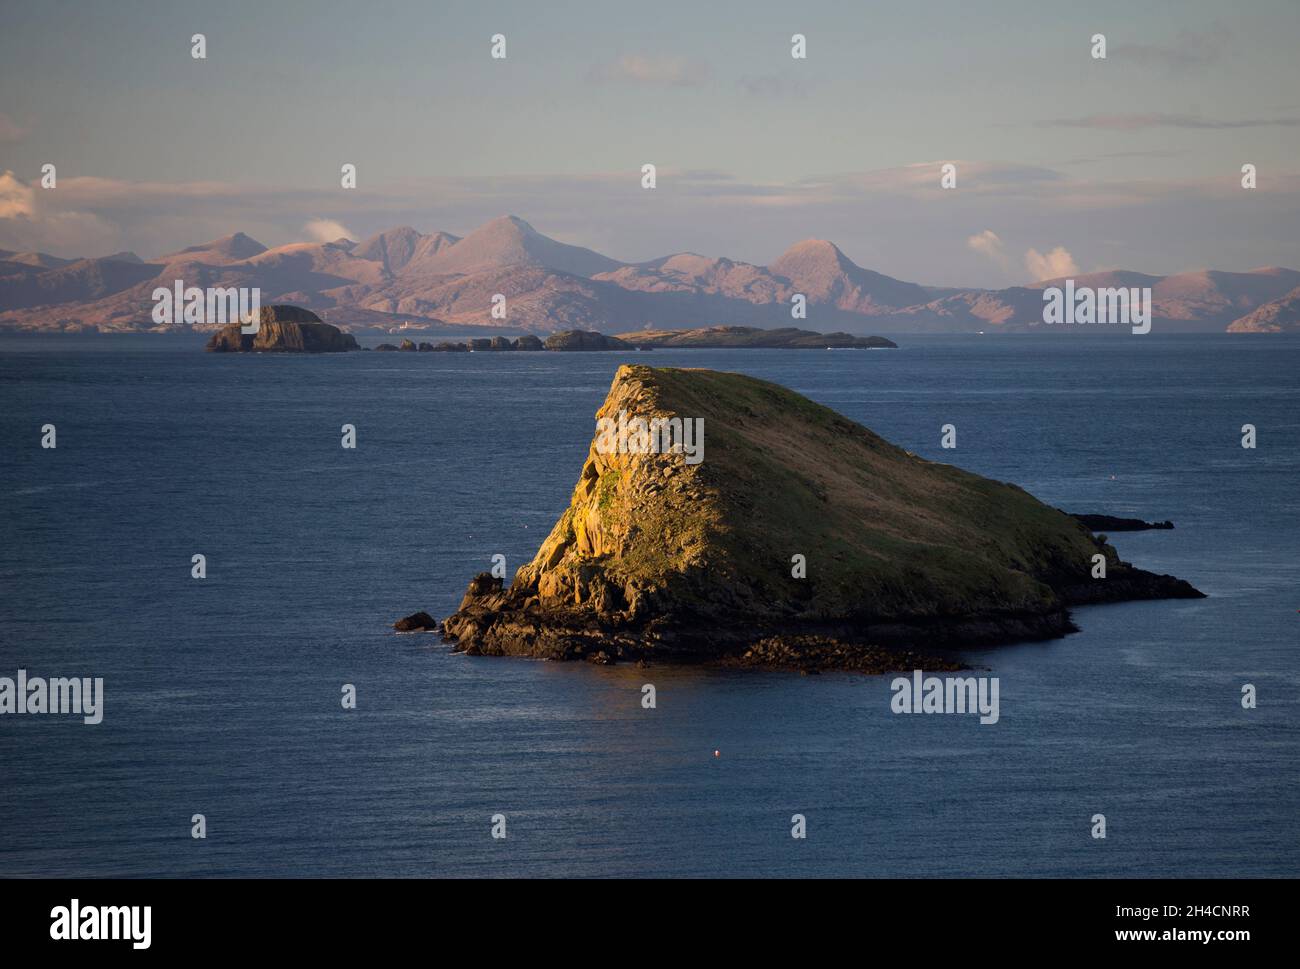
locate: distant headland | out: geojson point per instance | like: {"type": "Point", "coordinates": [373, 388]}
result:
{"type": "Point", "coordinates": [713, 337]}
{"type": "Point", "coordinates": [782, 338]}
{"type": "Point", "coordinates": [1111, 523]}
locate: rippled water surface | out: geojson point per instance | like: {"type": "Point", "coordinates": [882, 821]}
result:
{"type": "Point", "coordinates": [223, 695]}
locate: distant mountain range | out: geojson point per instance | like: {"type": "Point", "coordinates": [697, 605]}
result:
{"type": "Point", "coordinates": [402, 278]}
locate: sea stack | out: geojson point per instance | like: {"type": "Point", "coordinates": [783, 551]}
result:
{"type": "Point", "coordinates": [283, 328]}
{"type": "Point", "coordinates": [798, 530]}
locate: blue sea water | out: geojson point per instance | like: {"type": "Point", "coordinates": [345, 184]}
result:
{"type": "Point", "coordinates": [223, 695]}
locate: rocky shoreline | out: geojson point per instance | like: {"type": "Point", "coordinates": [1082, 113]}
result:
{"type": "Point", "coordinates": [492, 622]}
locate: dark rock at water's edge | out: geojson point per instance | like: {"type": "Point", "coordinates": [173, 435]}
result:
{"type": "Point", "coordinates": [416, 622]}
{"type": "Point", "coordinates": [495, 344]}
{"type": "Point", "coordinates": [286, 329]}
{"type": "Point", "coordinates": [1109, 523]}
{"type": "Point", "coordinates": [584, 340]}
{"type": "Point", "coordinates": [659, 560]}
{"type": "Point", "coordinates": [386, 348]}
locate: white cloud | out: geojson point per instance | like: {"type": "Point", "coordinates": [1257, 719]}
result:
{"type": "Point", "coordinates": [1052, 265]}
{"type": "Point", "coordinates": [327, 230]}
{"type": "Point", "coordinates": [17, 201]}
{"type": "Point", "coordinates": [641, 69]}
{"type": "Point", "coordinates": [26, 223]}
{"type": "Point", "coordinates": [987, 243]}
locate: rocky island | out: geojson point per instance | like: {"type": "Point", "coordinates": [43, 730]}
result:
{"type": "Point", "coordinates": [801, 540]}
{"type": "Point", "coordinates": [285, 329]}
{"type": "Point", "coordinates": [1111, 523]}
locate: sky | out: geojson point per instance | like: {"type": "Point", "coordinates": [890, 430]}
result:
{"type": "Point", "coordinates": [1063, 161]}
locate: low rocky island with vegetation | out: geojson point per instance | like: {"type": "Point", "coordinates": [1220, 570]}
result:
{"type": "Point", "coordinates": [752, 337]}
{"type": "Point", "coordinates": [801, 540]}
{"type": "Point", "coordinates": [563, 340]}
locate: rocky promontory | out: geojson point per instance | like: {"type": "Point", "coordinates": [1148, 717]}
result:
{"type": "Point", "coordinates": [283, 328]}
{"type": "Point", "coordinates": [1111, 523]}
{"type": "Point", "coordinates": [799, 533]}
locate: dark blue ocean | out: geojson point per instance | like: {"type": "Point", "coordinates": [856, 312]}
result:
{"type": "Point", "coordinates": [223, 694]}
